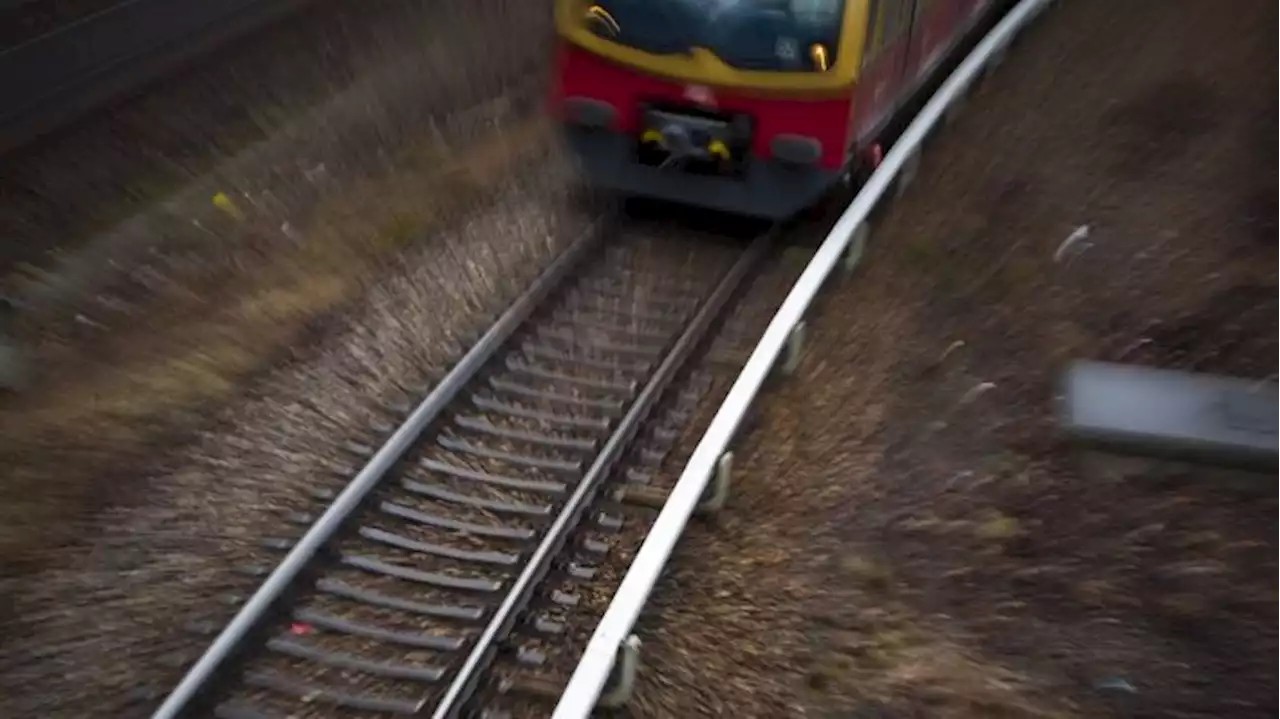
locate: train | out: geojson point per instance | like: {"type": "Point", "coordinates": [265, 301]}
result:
{"type": "Point", "coordinates": [758, 108]}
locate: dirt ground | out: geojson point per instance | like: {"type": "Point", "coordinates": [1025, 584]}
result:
{"type": "Point", "coordinates": [908, 537]}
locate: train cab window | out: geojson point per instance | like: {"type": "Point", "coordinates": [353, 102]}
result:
{"type": "Point", "coordinates": [768, 35]}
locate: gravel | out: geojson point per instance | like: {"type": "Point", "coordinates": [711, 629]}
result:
{"type": "Point", "coordinates": [906, 537]}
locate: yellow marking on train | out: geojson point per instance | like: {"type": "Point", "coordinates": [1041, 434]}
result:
{"type": "Point", "coordinates": [703, 67]}
{"type": "Point", "coordinates": [719, 149]}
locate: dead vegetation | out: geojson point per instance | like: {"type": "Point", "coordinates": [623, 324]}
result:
{"type": "Point", "coordinates": [159, 569]}
{"type": "Point", "coordinates": [202, 363]}
{"type": "Point", "coordinates": [427, 59]}
{"type": "Point", "coordinates": [907, 537]}
{"type": "Point", "coordinates": [136, 336]}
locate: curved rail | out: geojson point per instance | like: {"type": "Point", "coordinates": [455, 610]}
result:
{"type": "Point", "coordinates": [476, 629]}
{"type": "Point", "coordinates": [844, 241]}
{"type": "Point", "coordinates": [465, 681]}
{"type": "Point", "coordinates": [202, 672]}
{"type": "Point", "coordinates": [51, 79]}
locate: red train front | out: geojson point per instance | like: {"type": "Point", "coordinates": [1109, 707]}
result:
{"type": "Point", "coordinates": [756, 107]}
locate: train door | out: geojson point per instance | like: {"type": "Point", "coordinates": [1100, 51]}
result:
{"type": "Point", "coordinates": [884, 78]}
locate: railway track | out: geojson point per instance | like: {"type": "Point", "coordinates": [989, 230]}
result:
{"type": "Point", "coordinates": [448, 578]}
{"type": "Point", "coordinates": [450, 574]}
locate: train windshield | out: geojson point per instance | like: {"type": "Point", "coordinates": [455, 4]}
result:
{"type": "Point", "coordinates": [768, 35]}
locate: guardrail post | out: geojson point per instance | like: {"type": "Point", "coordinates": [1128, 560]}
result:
{"type": "Point", "coordinates": [907, 175]}
{"type": "Point", "coordinates": [622, 680]}
{"type": "Point", "coordinates": [952, 113]}
{"type": "Point", "coordinates": [795, 343]}
{"type": "Point", "coordinates": [857, 247]}
{"type": "Point", "coordinates": [719, 493]}
{"type": "Point", "coordinates": [713, 498]}
{"type": "Point", "coordinates": [997, 59]}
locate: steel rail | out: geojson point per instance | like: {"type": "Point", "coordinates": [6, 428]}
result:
{"type": "Point", "coordinates": [589, 677]}
{"type": "Point", "coordinates": [202, 673]}
{"type": "Point", "coordinates": [468, 676]}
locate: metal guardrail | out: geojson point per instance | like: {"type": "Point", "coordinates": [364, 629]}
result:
{"type": "Point", "coordinates": [845, 241]}
{"type": "Point", "coordinates": [51, 79]}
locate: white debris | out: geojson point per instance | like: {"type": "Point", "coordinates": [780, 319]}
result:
{"type": "Point", "coordinates": [1080, 234]}
{"type": "Point", "coordinates": [90, 322]}
{"type": "Point", "coordinates": [317, 174]}
{"type": "Point", "coordinates": [977, 391]}
{"type": "Point", "coordinates": [958, 344]}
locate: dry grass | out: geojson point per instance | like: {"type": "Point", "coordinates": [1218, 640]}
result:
{"type": "Point", "coordinates": [179, 367]}
{"type": "Point", "coordinates": [204, 363]}
{"type": "Point", "coordinates": [906, 536]}
{"type": "Point", "coordinates": [426, 58]}
{"type": "Point", "coordinates": [141, 333]}
{"type": "Point", "coordinates": [774, 609]}
{"type": "Point", "coordinates": [168, 559]}
{"type": "Point", "coordinates": [891, 653]}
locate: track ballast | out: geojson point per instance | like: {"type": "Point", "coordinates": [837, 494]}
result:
{"type": "Point", "coordinates": [455, 580]}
